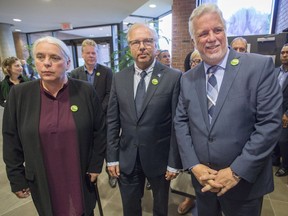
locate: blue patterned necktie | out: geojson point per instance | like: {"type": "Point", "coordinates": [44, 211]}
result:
{"type": "Point", "coordinates": [140, 93]}
{"type": "Point", "coordinates": [212, 90]}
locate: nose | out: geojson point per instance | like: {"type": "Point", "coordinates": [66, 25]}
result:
{"type": "Point", "coordinates": [47, 61]}
{"type": "Point", "coordinates": [211, 36]}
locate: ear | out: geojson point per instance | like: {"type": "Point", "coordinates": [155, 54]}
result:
{"type": "Point", "coordinates": [68, 64]}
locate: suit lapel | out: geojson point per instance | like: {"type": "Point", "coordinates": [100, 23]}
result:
{"type": "Point", "coordinates": [82, 74]}
{"type": "Point", "coordinates": [155, 81]}
{"type": "Point", "coordinates": [129, 86]}
{"type": "Point", "coordinates": [97, 76]}
{"type": "Point", "coordinates": [229, 76]}
{"type": "Point", "coordinates": [200, 79]}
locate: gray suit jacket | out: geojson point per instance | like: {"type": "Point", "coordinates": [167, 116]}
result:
{"type": "Point", "coordinates": [102, 82]}
{"type": "Point", "coordinates": [245, 126]}
{"type": "Point", "coordinates": [152, 134]}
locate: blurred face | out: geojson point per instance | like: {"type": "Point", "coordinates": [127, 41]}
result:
{"type": "Point", "coordinates": [284, 56]}
{"type": "Point", "coordinates": [89, 55]}
{"type": "Point", "coordinates": [164, 58]}
{"type": "Point", "coordinates": [16, 69]}
{"type": "Point", "coordinates": [195, 61]}
{"type": "Point", "coordinates": [239, 46]}
{"type": "Point", "coordinates": [142, 46]}
{"type": "Point", "coordinates": [210, 38]}
{"type": "Point", "coordinates": [50, 63]}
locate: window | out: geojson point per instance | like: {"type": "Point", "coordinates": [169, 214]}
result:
{"type": "Point", "coordinates": [246, 17]}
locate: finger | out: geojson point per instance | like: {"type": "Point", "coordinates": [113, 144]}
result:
{"type": "Point", "coordinates": [117, 171]}
{"type": "Point", "coordinates": [206, 177]}
{"type": "Point", "coordinates": [206, 188]}
{"type": "Point", "coordinates": [214, 184]}
{"type": "Point", "coordinates": [222, 191]}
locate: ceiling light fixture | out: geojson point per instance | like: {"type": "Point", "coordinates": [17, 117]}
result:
{"type": "Point", "coordinates": [17, 30]}
{"type": "Point", "coordinates": [17, 20]}
{"type": "Point", "coordinates": [152, 6]}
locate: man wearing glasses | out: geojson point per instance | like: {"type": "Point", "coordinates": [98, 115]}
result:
{"type": "Point", "coordinates": [142, 103]}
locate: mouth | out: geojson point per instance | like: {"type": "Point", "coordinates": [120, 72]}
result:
{"type": "Point", "coordinates": [213, 48]}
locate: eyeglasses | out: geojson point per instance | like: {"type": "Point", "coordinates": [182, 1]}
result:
{"type": "Point", "coordinates": [195, 61]}
{"type": "Point", "coordinates": [284, 52]}
{"type": "Point", "coordinates": [146, 42]}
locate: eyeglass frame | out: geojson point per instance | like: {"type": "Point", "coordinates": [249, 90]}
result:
{"type": "Point", "coordinates": [147, 42]}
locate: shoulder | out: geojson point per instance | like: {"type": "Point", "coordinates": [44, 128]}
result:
{"type": "Point", "coordinates": [103, 68]}
{"type": "Point", "coordinates": [77, 70]}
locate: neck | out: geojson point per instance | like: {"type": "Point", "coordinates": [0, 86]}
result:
{"type": "Point", "coordinates": [90, 68]}
{"type": "Point", "coordinates": [285, 67]}
{"type": "Point", "coordinates": [54, 87]}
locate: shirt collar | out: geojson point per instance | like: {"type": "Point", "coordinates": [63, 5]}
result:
{"type": "Point", "coordinates": [85, 69]}
{"type": "Point", "coordinates": [282, 69]}
{"type": "Point", "coordinates": [148, 70]}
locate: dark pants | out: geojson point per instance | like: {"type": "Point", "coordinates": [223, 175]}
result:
{"type": "Point", "coordinates": [283, 144]}
{"type": "Point", "coordinates": [132, 190]}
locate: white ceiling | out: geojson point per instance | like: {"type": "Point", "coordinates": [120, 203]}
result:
{"type": "Point", "coordinates": [43, 15]}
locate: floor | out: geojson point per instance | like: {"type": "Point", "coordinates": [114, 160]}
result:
{"type": "Point", "coordinates": [275, 204]}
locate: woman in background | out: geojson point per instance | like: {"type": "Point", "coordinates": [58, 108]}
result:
{"type": "Point", "coordinates": [184, 182]}
{"type": "Point", "coordinates": [64, 146]}
{"type": "Point", "coordinates": [12, 69]}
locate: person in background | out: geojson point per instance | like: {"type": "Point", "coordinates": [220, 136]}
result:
{"type": "Point", "coordinates": [63, 148]}
{"type": "Point", "coordinates": [12, 70]}
{"type": "Point", "coordinates": [226, 126]}
{"type": "Point", "coordinates": [164, 57]}
{"type": "Point", "coordinates": [239, 44]}
{"type": "Point", "coordinates": [188, 190]}
{"type": "Point", "coordinates": [27, 70]}
{"type": "Point", "coordinates": [282, 146]}
{"type": "Point", "coordinates": [97, 75]}
{"type": "Point", "coordinates": [142, 104]}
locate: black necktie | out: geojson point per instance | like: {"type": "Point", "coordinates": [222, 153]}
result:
{"type": "Point", "coordinates": [140, 93]}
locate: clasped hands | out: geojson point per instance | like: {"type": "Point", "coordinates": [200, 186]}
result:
{"type": "Point", "coordinates": [214, 181]}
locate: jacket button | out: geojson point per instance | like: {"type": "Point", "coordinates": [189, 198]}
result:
{"type": "Point", "coordinates": [210, 139]}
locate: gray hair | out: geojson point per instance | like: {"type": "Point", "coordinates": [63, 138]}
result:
{"type": "Point", "coordinates": [52, 40]}
{"type": "Point", "coordinates": [138, 25]}
{"type": "Point", "coordinates": [239, 39]}
{"type": "Point", "coordinates": [201, 10]}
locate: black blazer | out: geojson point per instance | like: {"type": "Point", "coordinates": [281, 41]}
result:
{"type": "Point", "coordinates": [152, 134]}
{"type": "Point", "coordinates": [21, 141]}
{"type": "Point", "coordinates": [102, 82]}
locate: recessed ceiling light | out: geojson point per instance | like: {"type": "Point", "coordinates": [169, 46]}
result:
{"type": "Point", "coordinates": [152, 6]}
{"type": "Point", "coordinates": [17, 30]}
{"type": "Point", "coordinates": [17, 20]}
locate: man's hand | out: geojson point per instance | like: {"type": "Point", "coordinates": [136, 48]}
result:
{"type": "Point", "coordinates": [170, 175]}
{"type": "Point", "coordinates": [93, 177]}
{"type": "Point", "coordinates": [23, 194]}
{"type": "Point", "coordinates": [114, 171]}
{"type": "Point", "coordinates": [205, 177]}
{"type": "Point", "coordinates": [284, 121]}
{"type": "Point", "coordinates": [225, 177]}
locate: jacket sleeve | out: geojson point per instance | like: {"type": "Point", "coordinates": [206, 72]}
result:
{"type": "Point", "coordinates": [13, 155]}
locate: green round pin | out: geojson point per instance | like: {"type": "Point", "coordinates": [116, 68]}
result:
{"type": "Point", "coordinates": [98, 74]}
{"type": "Point", "coordinates": [155, 81]}
{"type": "Point", "coordinates": [235, 62]}
{"type": "Point", "coordinates": [74, 108]}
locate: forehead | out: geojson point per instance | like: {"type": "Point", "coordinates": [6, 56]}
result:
{"type": "Point", "coordinates": [207, 21]}
{"type": "Point", "coordinates": [285, 48]}
{"type": "Point", "coordinates": [238, 43]}
{"type": "Point", "coordinates": [48, 48]}
{"type": "Point", "coordinates": [164, 53]}
{"type": "Point", "coordinates": [140, 33]}
{"type": "Point", "coordinates": [89, 48]}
